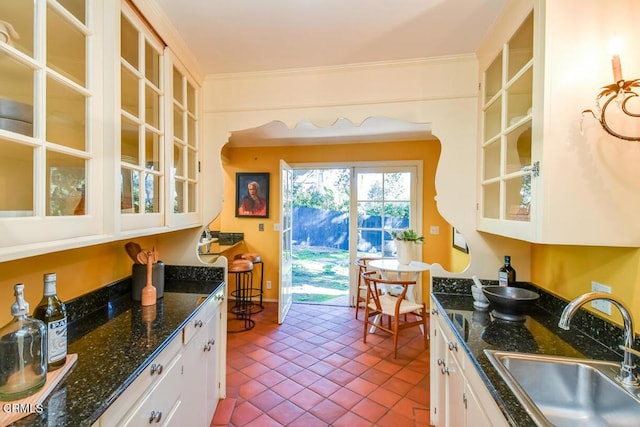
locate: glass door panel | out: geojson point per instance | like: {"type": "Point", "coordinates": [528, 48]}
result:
{"type": "Point", "coordinates": [178, 196]}
{"type": "Point", "coordinates": [519, 148]}
{"type": "Point", "coordinates": [129, 137]}
{"type": "Point", "coordinates": [20, 14]}
{"type": "Point", "coordinates": [151, 193]}
{"type": "Point", "coordinates": [493, 79]}
{"type": "Point", "coordinates": [493, 119]}
{"type": "Point", "coordinates": [178, 125]}
{"type": "Point", "coordinates": [519, 98]}
{"type": "Point", "coordinates": [152, 107]}
{"type": "Point", "coordinates": [192, 197]}
{"type": "Point", "coordinates": [16, 96]}
{"type": "Point", "coordinates": [521, 47]}
{"type": "Point", "coordinates": [66, 115]}
{"type": "Point", "coordinates": [66, 177]}
{"type": "Point", "coordinates": [76, 8]}
{"type": "Point", "coordinates": [128, 42]}
{"type": "Point", "coordinates": [517, 198]}
{"type": "Point", "coordinates": [178, 165]}
{"type": "Point", "coordinates": [16, 179]}
{"type": "Point", "coordinates": [385, 203]}
{"type": "Point", "coordinates": [129, 97]}
{"type": "Point", "coordinates": [152, 64]}
{"type": "Point", "coordinates": [152, 151]}
{"type": "Point", "coordinates": [491, 200]}
{"type": "Point", "coordinates": [66, 47]}
{"type": "Point", "coordinates": [491, 158]}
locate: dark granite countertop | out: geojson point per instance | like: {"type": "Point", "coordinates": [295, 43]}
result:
{"type": "Point", "coordinates": [114, 345]}
{"type": "Point", "coordinates": [479, 330]}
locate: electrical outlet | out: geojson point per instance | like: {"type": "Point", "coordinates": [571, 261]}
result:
{"type": "Point", "coordinates": [268, 284]}
{"type": "Point", "coordinates": [276, 227]}
{"type": "Point", "coordinates": [434, 230]}
{"type": "Point", "coordinates": [602, 305]}
{"type": "Point", "coordinates": [261, 227]}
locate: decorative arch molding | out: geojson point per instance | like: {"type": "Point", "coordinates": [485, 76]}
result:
{"type": "Point", "coordinates": [341, 131]}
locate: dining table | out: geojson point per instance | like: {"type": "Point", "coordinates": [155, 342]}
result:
{"type": "Point", "coordinates": [391, 269]}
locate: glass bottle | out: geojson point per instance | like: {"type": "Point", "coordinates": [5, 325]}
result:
{"type": "Point", "coordinates": [23, 365]}
{"type": "Point", "coordinates": [53, 313]}
{"type": "Point", "coordinates": [506, 273]}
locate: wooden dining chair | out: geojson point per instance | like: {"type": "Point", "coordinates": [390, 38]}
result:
{"type": "Point", "coordinates": [361, 292]}
{"type": "Point", "coordinates": [401, 312]}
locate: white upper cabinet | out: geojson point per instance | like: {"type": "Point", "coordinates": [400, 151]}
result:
{"type": "Point", "coordinates": [507, 169]}
{"type": "Point", "coordinates": [545, 175]}
{"type": "Point", "coordinates": [89, 152]}
{"type": "Point", "coordinates": [50, 161]}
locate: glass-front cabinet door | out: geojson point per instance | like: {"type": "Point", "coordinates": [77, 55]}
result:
{"type": "Point", "coordinates": [184, 150]}
{"type": "Point", "coordinates": [48, 145]}
{"type": "Point", "coordinates": [506, 150]}
{"type": "Point", "coordinates": [142, 91]}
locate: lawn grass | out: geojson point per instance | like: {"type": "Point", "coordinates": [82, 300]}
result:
{"type": "Point", "coordinates": [319, 274]}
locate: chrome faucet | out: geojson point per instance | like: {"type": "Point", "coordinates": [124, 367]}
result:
{"type": "Point", "coordinates": [626, 376]}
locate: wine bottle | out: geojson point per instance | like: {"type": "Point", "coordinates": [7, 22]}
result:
{"type": "Point", "coordinates": [53, 313]}
{"type": "Point", "coordinates": [506, 273]}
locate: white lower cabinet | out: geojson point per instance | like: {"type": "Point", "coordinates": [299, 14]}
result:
{"type": "Point", "coordinates": [181, 387]}
{"type": "Point", "coordinates": [459, 398]}
{"type": "Point", "coordinates": [201, 372]}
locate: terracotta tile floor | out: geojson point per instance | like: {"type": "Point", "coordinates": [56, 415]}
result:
{"type": "Point", "coordinates": [314, 370]}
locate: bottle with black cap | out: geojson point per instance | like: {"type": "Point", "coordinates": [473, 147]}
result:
{"type": "Point", "coordinates": [506, 273]}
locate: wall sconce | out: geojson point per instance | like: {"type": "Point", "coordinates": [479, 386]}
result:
{"type": "Point", "coordinates": [621, 91]}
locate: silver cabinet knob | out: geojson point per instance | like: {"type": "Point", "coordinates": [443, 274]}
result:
{"type": "Point", "coordinates": [197, 323]}
{"type": "Point", "coordinates": [156, 368]}
{"type": "Point", "coordinates": [155, 417]}
{"type": "Point", "coordinates": [440, 361]}
{"type": "Point", "coordinates": [453, 346]}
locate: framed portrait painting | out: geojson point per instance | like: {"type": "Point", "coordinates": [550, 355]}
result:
{"type": "Point", "coordinates": [252, 194]}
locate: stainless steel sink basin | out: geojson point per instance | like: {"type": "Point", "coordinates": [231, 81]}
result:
{"type": "Point", "coordinates": [562, 391]}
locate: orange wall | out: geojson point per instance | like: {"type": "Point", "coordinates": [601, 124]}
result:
{"type": "Point", "coordinates": [78, 271]}
{"type": "Point", "coordinates": [568, 271]}
{"type": "Point", "coordinates": [437, 248]}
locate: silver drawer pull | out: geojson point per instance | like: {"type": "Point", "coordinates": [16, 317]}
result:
{"type": "Point", "coordinates": [219, 297]}
{"type": "Point", "coordinates": [211, 341]}
{"type": "Point", "coordinates": [453, 346]}
{"type": "Point", "coordinates": [444, 370]}
{"type": "Point", "coordinates": [155, 417]}
{"type": "Point", "coordinates": [440, 362]}
{"type": "Point", "coordinates": [207, 347]}
{"type": "Point", "coordinates": [197, 323]}
{"type": "Point", "coordinates": [156, 368]}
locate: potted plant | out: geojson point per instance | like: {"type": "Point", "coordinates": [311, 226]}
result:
{"type": "Point", "coordinates": [404, 239]}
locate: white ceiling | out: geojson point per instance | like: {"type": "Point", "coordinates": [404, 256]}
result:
{"type": "Point", "coordinates": [229, 36]}
{"type": "Point", "coordinates": [232, 36]}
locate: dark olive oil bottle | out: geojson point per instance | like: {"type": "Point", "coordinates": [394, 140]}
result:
{"type": "Point", "coordinates": [53, 313]}
{"type": "Point", "coordinates": [506, 273]}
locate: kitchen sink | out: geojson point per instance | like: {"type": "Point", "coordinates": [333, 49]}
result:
{"type": "Point", "coordinates": [563, 391]}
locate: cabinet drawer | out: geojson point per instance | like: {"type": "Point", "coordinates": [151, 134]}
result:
{"type": "Point", "coordinates": [148, 378]}
{"type": "Point", "coordinates": [197, 322]}
{"type": "Point", "coordinates": [161, 401]}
